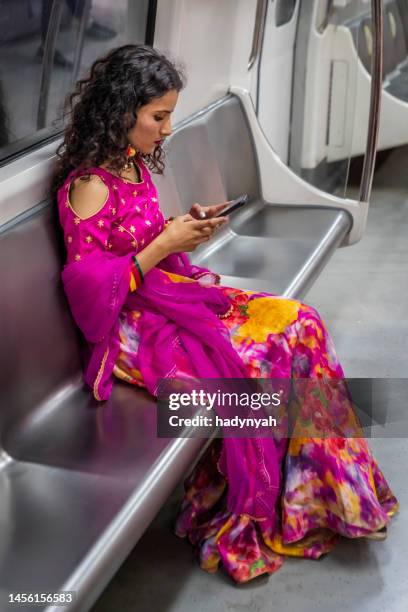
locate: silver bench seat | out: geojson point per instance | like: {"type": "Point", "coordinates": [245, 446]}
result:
{"type": "Point", "coordinates": [266, 247]}
{"type": "Point", "coordinates": [82, 487]}
{"type": "Point", "coordinates": [398, 86]}
{"type": "Point", "coordinates": [81, 481]}
{"type": "Point", "coordinates": [278, 249]}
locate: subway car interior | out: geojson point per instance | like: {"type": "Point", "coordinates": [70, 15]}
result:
{"type": "Point", "coordinates": [303, 105]}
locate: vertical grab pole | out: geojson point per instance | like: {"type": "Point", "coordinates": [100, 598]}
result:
{"type": "Point", "coordinates": [375, 101]}
{"type": "Point", "coordinates": [261, 7]}
{"type": "Point", "coordinates": [80, 40]}
{"type": "Point", "coordinates": [151, 22]}
{"type": "Point", "coordinates": [48, 61]}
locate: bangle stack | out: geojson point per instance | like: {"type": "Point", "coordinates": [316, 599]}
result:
{"type": "Point", "coordinates": [137, 272]}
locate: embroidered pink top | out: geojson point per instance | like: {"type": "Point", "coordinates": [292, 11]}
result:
{"type": "Point", "coordinates": [100, 277]}
{"type": "Point", "coordinates": [129, 219]}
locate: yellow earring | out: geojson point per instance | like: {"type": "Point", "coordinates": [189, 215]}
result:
{"type": "Point", "coordinates": [130, 154]}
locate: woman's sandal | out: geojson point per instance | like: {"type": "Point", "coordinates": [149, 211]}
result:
{"type": "Point", "coordinates": [378, 536]}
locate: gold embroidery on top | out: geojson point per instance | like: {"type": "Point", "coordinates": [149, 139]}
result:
{"type": "Point", "coordinates": [77, 220]}
{"type": "Point", "coordinates": [89, 239]}
{"type": "Point", "coordinates": [123, 229]}
{"type": "Point", "coordinates": [69, 239]}
{"type": "Point", "coordinates": [77, 257]}
{"type": "Point", "coordinates": [101, 222]}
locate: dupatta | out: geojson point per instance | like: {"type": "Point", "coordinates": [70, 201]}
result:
{"type": "Point", "coordinates": [98, 288]}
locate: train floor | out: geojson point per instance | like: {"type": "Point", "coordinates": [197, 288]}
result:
{"type": "Point", "coordinates": [363, 298]}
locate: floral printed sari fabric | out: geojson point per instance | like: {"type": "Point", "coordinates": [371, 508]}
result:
{"type": "Point", "coordinates": [331, 486]}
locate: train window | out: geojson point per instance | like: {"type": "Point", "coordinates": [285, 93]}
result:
{"type": "Point", "coordinates": [284, 11]}
{"type": "Point", "coordinates": [45, 47]}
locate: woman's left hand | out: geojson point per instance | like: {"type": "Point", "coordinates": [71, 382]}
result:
{"type": "Point", "coordinates": [206, 212]}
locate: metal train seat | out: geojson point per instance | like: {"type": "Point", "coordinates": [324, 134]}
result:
{"type": "Point", "coordinates": [81, 481]}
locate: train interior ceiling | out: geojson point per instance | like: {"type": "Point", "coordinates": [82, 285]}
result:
{"type": "Point", "coordinates": [277, 103]}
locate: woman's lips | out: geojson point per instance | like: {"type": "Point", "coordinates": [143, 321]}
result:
{"type": "Point", "coordinates": [158, 141]}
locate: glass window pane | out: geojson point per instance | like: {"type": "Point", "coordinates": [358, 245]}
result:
{"type": "Point", "coordinates": [284, 11]}
{"type": "Point", "coordinates": [47, 45]}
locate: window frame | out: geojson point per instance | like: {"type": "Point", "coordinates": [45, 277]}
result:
{"type": "Point", "coordinates": [49, 134]}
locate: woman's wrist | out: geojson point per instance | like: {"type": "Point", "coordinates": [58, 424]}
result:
{"type": "Point", "coordinates": [163, 245]}
{"type": "Point", "coordinates": [152, 254]}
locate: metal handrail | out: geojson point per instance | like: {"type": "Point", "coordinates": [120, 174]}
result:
{"type": "Point", "coordinates": [258, 32]}
{"type": "Point", "coordinates": [48, 61]}
{"type": "Point", "coordinates": [151, 22]}
{"type": "Point", "coordinates": [375, 101]}
{"type": "Point", "coordinates": [80, 40]}
{"type": "Point", "coordinates": [49, 51]}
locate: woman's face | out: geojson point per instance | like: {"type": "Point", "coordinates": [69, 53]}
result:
{"type": "Point", "coordinates": [153, 123]}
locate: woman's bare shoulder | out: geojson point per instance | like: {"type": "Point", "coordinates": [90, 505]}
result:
{"type": "Point", "coordinates": [88, 194]}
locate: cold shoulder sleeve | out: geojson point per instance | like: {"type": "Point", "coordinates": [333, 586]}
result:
{"type": "Point", "coordinates": [90, 235]}
{"type": "Point", "coordinates": [84, 236]}
{"type": "Point", "coordinates": [96, 279]}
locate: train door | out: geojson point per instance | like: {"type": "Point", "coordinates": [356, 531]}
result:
{"type": "Point", "coordinates": [275, 73]}
{"type": "Point", "coordinates": [315, 73]}
{"type": "Point", "coordinates": [306, 81]}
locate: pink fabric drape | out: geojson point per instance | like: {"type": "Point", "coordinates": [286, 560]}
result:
{"type": "Point", "coordinates": [97, 290]}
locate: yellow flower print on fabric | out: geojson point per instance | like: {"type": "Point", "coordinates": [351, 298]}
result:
{"type": "Point", "coordinates": [267, 315]}
{"type": "Point", "coordinates": [178, 278]}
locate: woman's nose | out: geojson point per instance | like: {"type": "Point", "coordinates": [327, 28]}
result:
{"type": "Point", "coordinates": [166, 129]}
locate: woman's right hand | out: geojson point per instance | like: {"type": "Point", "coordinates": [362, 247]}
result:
{"type": "Point", "coordinates": [185, 233]}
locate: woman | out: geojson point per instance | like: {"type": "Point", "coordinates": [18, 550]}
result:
{"type": "Point", "coordinates": [148, 314]}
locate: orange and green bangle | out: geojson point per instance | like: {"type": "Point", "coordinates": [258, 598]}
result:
{"type": "Point", "coordinates": [136, 274]}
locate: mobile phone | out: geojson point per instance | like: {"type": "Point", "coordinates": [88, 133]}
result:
{"type": "Point", "coordinates": [234, 205]}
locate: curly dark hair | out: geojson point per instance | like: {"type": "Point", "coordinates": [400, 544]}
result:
{"type": "Point", "coordinates": [103, 108]}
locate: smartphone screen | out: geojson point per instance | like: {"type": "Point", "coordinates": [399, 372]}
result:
{"type": "Point", "coordinates": [234, 205]}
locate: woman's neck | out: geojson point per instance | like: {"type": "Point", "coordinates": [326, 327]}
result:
{"type": "Point", "coordinates": [132, 174]}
